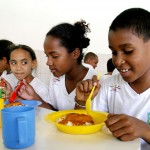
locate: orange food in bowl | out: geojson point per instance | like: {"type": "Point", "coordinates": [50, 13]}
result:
{"type": "Point", "coordinates": [13, 104]}
{"type": "Point", "coordinates": [75, 119]}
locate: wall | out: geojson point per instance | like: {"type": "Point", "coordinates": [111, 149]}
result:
{"type": "Point", "coordinates": [42, 71]}
{"type": "Point", "coordinates": [28, 21]}
{"type": "Point", "coordinates": [102, 64]}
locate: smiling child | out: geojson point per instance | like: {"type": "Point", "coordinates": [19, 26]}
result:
{"type": "Point", "coordinates": [126, 96]}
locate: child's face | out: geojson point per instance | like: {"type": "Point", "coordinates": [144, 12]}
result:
{"type": "Point", "coordinates": [58, 59]}
{"type": "Point", "coordinates": [3, 63]}
{"type": "Point", "coordinates": [93, 62]}
{"type": "Point", "coordinates": [21, 64]}
{"type": "Point", "coordinates": [130, 54]}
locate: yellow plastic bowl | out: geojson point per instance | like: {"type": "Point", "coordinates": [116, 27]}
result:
{"type": "Point", "coordinates": [98, 118]}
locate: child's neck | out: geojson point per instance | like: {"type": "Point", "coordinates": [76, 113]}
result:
{"type": "Point", "coordinates": [75, 76]}
{"type": "Point", "coordinates": [8, 71]}
{"type": "Point", "coordinates": [140, 85]}
{"type": "Point", "coordinates": [29, 78]}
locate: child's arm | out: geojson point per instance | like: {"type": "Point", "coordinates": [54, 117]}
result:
{"type": "Point", "coordinates": [27, 92]}
{"type": "Point", "coordinates": [128, 128]}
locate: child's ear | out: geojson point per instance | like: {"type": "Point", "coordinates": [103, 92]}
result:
{"type": "Point", "coordinates": [34, 64]}
{"type": "Point", "coordinates": [4, 59]}
{"type": "Point", "coordinates": [76, 53]}
{"type": "Point", "coordinates": [89, 60]}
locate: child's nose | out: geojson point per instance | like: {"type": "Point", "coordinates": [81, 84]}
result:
{"type": "Point", "coordinates": [49, 61]}
{"type": "Point", "coordinates": [118, 61]}
{"type": "Point", "coordinates": [18, 66]}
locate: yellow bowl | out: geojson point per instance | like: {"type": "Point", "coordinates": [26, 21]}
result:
{"type": "Point", "coordinates": [98, 118]}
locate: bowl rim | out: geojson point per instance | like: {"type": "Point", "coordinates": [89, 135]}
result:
{"type": "Point", "coordinates": [70, 111]}
{"type": "Point", "coordinates": [23, 101]}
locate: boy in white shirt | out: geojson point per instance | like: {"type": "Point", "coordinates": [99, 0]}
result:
{"type": "Point", "coordinates": [126, 96]}
{"type": "Point", "coordinates": [90, 60]}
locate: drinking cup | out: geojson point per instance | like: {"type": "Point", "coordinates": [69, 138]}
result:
{"type": "Point", "coordinates": [1, 107]}
{"type": "Point", "coordinates": [18, 127]}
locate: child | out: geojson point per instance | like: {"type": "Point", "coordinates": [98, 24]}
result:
{"type": "Point", "coordinates": [4, 58]}
{"type": "Point", "coordinates": [63, 47]}
{"type": "Point", "coordinates": [22, 62]}
{"type": "Point", "coordinates": [126, 96]}
{"type": "Point", "coordinates": [91, 59]}
{"type": "Point", "coordinates": [110, 69]}
{"type": "Point", "coordinates": [4, 64]}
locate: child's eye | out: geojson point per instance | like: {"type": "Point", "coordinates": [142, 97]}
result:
{"type": "Point", "coordinates": [54, 56]}
{"type": "Point", "coordinates": [24, 62]}
{"type": "Point", "coordinates": [127, 51]}
{"type": "Point", "coordinates": [12, 63]}
{"type": "Point", "coordinates": [114, 53]}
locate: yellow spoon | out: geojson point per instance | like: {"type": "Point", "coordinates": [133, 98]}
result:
{"type": "Point", "coordinates": [88, 101]}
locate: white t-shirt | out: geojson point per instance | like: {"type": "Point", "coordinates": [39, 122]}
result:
{"type": "Point", "coordinates": [116, 96]}
{"type": "Point", "coordinates": [87, 65]}
{"type": "Point", "coordinates": [115, 71]}
{"type": "Point", "coordinates": [4, 73]}
{"type": "Point", "coordinates": [12, 80]}
{"type": "Point", "coordinates": [40, 88]}
{"type": "Point", "coordinates": [104, 77]}
{"type": "Point", "coordinates": [58, 95]}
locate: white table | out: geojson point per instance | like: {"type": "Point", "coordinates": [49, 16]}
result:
{"type": "Point", "coordinates": [49, 138]}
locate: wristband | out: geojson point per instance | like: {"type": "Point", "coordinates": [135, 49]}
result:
{"type": "Point", "coordinates": [82, 106]}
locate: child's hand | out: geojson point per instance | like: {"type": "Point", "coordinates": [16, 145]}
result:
{"type": "Point", "coordinates": [27, 92]}
{"type": "Point", "coordinates": [127, 128]}
{"type": "Point", "coordinates": [8, 89]}
{"type": "Point", "coordinates": [84, 88]}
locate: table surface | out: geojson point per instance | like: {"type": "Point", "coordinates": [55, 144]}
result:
{"type": "Point", "coordinates": [48, 137]}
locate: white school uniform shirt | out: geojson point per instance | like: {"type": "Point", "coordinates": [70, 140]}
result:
{"type": "Point", "coordinates": [40, 88]}
{"type": "Point", "coordinates": [104, 77]}
{"type": "Point", "coordinates": [87, 65]}
{"type": "Point", "coordinates": [58, 95]}
{"type": "Point", "coordinates": [4, 73]}
{"type": "Point", "coordinates": [116, 96]}
{"type": "Point", "coordinates": [115, 71]}
{"type": "Point", "coordinates": [12, 80]}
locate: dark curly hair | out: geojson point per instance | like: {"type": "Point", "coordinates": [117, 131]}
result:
{"type": "Point", "coordinates": [72, 36]}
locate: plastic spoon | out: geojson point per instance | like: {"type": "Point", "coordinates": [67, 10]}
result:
{"type": "Point", "coordinates": [88, 101]}
{"type": "Point", "coordinates": [14, 93]}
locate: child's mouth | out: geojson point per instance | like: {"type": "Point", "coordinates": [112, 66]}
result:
{"type": "Point", "coordinates": [124, 70]}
